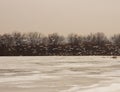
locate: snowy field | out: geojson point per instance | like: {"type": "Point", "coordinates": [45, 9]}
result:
{"type": "Point", "coordinates": [60, 74]}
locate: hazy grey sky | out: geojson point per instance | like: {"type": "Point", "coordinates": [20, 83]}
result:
{"type": "Point", "coordinates": [62, 16]}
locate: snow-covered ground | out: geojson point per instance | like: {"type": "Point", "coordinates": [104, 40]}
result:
{"type": "Point", "coordinates": [60, 74]}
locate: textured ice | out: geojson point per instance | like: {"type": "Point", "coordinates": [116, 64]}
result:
{"type": "Point", "coordinates": [61, 73]}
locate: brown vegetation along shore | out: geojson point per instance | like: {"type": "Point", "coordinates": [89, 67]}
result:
{"type": "Point", "coordinates": [36, 44]}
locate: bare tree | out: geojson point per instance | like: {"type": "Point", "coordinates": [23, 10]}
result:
{"type": "Point", "coordinates": [6, 40]}
{"type": "Point", "coordinates": [74, 39]}
{"type": "Point", "coordinates": [116, 39]}
{"type": "Point", "coordinates": [97, 38]}
{"type": "Point", "coordinates": [37, 44]}
{"type": "Point", "coordinates": [18, 38]}
{"type": "Point", "coordinates": [55, 39]}
{"type": "Point", "coordinates": [34, 38]}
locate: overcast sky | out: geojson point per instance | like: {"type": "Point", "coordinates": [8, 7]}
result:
{"type": "Point", "coordinates": [62, 16]}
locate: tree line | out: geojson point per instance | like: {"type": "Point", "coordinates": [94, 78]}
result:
{"type": "Point", "coordinates": [37, 44]}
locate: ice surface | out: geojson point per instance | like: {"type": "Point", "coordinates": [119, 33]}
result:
{"type": "Point", "coordinates": [111, 88]}
{"type": "Point", "coordinates": [60, 74]}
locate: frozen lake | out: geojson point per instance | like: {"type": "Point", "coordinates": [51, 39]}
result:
{"type": "Point", "coordinates": [60, 74]}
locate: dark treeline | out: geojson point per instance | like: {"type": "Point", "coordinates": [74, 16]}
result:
{"type": "Point", "coordinates": [36, 44]}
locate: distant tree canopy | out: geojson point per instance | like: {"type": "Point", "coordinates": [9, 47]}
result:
{"type": "Point", "coordinates": [36, 44]}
